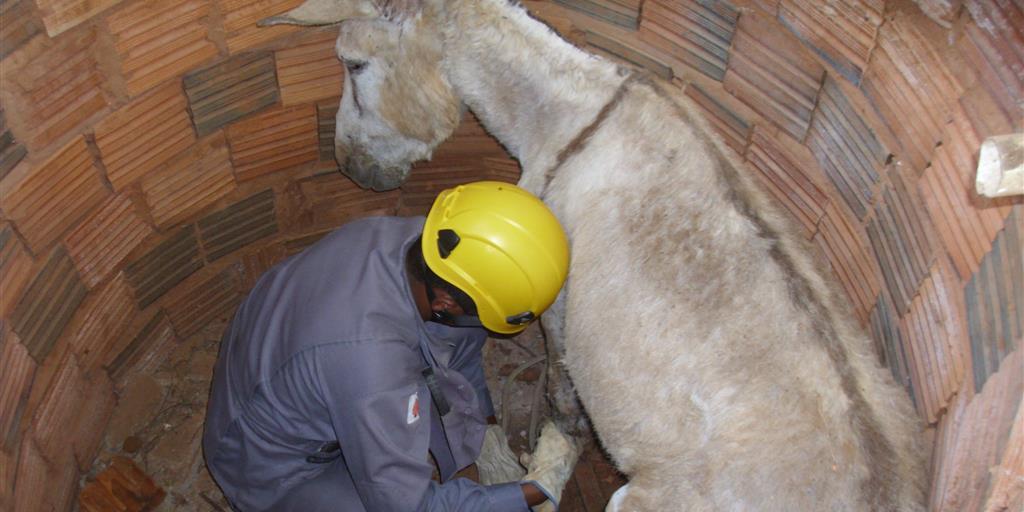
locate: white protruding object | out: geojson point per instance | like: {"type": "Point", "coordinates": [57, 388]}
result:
{"type": "Point", "coordinates": [551, 464]}
{"type": "Point", "coordinates": [497, 463]}
{"type": "Point", "coordinates": [1001, 166]}
{"type": "Point", "coordinates": [615, 504]}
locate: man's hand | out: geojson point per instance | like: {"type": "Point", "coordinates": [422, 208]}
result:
{"type": "Point", "coordinates": [551, 464]}
{"type": "Point", "coordinates": [496, 463]}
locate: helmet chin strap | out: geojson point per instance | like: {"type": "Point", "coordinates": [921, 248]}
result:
{"type": "Point", "coordinates": [446, 318]}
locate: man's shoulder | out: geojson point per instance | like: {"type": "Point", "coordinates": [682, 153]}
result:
{"type": "Point", "coordinates": [371, 364]}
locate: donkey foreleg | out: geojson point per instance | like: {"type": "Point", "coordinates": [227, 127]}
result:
{"type": "Point", "coordinates": [567, 411]}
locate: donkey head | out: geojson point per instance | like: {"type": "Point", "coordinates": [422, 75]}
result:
{"type": "Point", "coordinates": [397, 105]}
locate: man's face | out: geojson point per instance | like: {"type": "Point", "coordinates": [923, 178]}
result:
{"type": "Point", "coordinates": [445, 304]}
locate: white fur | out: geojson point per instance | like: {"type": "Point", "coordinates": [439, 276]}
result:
{"type": "Point", "coordinates": [718, 366]}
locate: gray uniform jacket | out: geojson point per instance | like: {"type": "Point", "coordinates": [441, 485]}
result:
{"type": "Point", "coordinates": [329, 347]}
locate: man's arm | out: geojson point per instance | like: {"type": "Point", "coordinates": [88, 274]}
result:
{"type": "Point", "coordinates": [380, 412]}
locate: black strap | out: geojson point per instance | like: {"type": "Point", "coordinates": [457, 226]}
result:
{"type": "Point", "coordinates": [435, 392]}
{"type": "Point", "coordinates": [327, 452]}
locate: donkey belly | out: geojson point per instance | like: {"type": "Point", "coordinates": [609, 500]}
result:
{"type": "Point", "coordinates": [709, 397]}
{"type": "Point", "coordinates": [693, 436]}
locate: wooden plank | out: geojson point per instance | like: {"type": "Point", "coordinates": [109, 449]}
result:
{"type": "Point", "coordinates": [44, 201]}
{"type": "Point", "coordinates": [102, 241]}
{"type": "Point", "coordinates": [142, 136]}
{"type": "Point", "coordinates": [48, 304]}
{"type": "Point", "coordinates": [238, 225]}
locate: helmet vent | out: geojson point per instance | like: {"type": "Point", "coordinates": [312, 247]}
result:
{"type": "Point", "coordinates": [522, 318]}
{"type": "Point", "coordinates": [447, 239]}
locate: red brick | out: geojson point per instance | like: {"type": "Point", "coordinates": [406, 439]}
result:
{"type": "Point", "coordinates": [45, 200]}
{"type": "Point", "coordinates": [102, 241]}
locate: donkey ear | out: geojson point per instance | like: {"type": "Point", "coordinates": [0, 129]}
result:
{"type": "Point", "coordinates": [324, 12]}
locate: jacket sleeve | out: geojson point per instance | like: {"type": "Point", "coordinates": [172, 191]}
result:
{"type": "Point", "coordinates": [380, 409]}
{"type": "Point", "coordinates": [468, 360]}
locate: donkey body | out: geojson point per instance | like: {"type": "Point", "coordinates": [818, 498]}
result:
{"type": "Point", "coordinates": [714, 360]}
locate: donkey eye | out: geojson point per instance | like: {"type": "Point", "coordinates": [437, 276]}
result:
{"type": "Point", "coordinates": [355, 66]}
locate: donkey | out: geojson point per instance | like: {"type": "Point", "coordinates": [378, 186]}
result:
{"type": "Point", "coordinates": [715, 361]}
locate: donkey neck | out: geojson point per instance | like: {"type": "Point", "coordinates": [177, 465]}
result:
{"type": "Point", "coordinates": [531, 89]}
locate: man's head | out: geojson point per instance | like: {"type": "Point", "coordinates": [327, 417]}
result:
{"type": "Point", "coordinates": [500, 249]}
{"type": "Point", "coordinates": [444, 299]}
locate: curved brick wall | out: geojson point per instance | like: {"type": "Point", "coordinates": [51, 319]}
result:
{"type": "Point", "coordinates": [157, 156]}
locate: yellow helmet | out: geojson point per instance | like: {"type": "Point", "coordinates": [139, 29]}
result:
{"type": "Point", "coordinates": [502, 246]}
